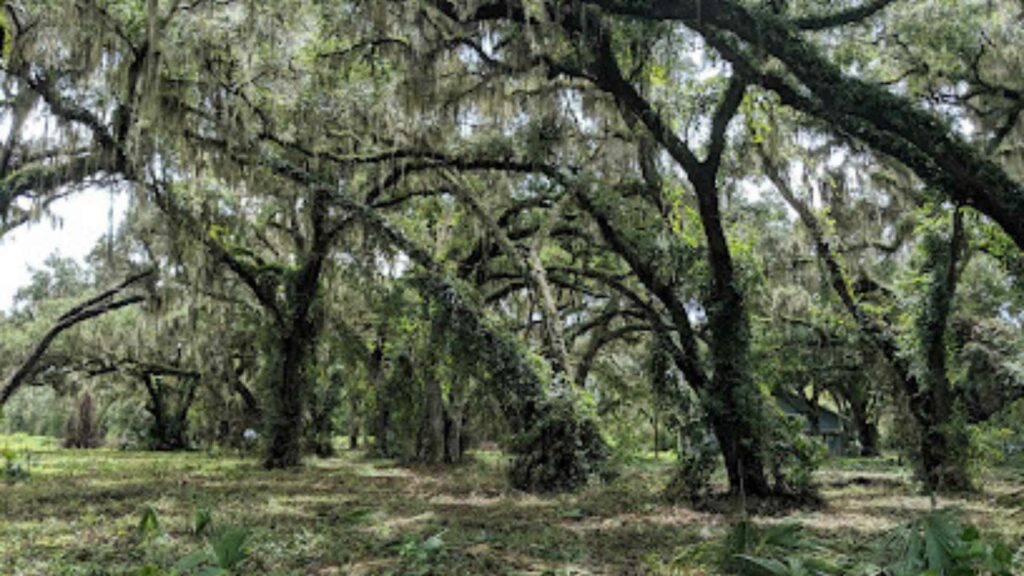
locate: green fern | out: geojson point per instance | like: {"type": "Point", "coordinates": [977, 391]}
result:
{"type": "Point", "coordinates": [793, 566]}
{"type": "Point", "coordinates": [937, 543]}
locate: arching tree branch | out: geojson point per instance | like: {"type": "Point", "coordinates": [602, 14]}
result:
{"type": "Point", "coordinates": [106, 301]}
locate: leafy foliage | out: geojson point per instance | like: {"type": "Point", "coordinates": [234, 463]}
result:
{"type": "Point", "coordinates": [16, 469]}
{"type": "Point", "coordinates": [149, 524]}
{"type": "Point", "coordinates": [419, 557]}
{"type": "Point", "coordinates": [935, 543]}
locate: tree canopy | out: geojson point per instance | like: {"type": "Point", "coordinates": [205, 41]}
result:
{"type": "Point", "coordinates": [538, 223]}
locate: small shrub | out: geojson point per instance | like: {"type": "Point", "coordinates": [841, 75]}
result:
{"type": "Point", "coordinates": [225, 552]}
{"type": "Point", "coordinates": [561, 452]}
{"type": "Point", "coordinates": [149, 524]}
{"type": "Point", "coordinates": [201, 521]}
{"type": "Point", "coordinates": [418, 557]}
{"type": "Point", "coordinates": [692, 478]}
{"type": "Point", "coordinates": [229, 547]}
{"type": "Point", "coordinates": [15, 471]}
{"type": "Point", "coordinates": [794, 456]}
{"type": "Point", "coordinates": [936, 543]}
{"type": "Point", "coordinates": [773, 550]}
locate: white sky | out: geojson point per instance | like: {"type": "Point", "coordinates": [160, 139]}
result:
{"type": "Point", "coordinates": [82, 220]}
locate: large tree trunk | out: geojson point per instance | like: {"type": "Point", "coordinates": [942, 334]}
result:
{"type": "Point", "coordinates": [867, 430]}
{"type": "Point", "coordinates": [298, 341]}
{"type": "Point", "coordinates": [433, 437]}
{"type": "Point", "coordinates": [735, 404]}
{"type": "Point", "coordinates": [288, 391]}
{"type": "Point", "coordinates": [382, 417]}
{"type": "Point", "coordinates": [942, 452]}
{"type": "Point", "coordinates": [743, 463]}
{"type": "Point", "coordinates": [732, 400]}
{"type": "Point", "coordinates": [454, 422]}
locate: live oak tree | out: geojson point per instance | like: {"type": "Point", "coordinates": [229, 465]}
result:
{"type": "Point", "coordinates": [751, 39]}
{"type": "Point", "coordinates": [409, 206]}
{"type": "Point", "coordinates": [863, 224]}
{"type": "Point", "coordinates": [732, 401]}
{"type": "Point", "coordinates": [178, 109]}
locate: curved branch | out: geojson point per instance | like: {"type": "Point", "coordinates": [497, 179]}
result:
{"type": "Point", "coordinates": [90, 308]}
{"type": "Point", "coordinates": [892, 124]}
{"type": "Point", "coordinates": [843, 17]}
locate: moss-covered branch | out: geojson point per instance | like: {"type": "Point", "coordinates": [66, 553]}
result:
{"type": "Point", "coordinates": [891, 123]}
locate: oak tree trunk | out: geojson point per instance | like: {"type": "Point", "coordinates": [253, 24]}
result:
{"type": "Point", "coordinates": [289, 389]}
{"type": "Point", "coordinates": [867, 430]}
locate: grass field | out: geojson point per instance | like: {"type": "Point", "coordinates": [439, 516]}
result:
{"type": "Point", "coordinates": [79, 513]}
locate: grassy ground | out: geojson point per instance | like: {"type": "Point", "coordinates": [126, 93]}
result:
{"type": "Point", "coordinates": [80, 510]}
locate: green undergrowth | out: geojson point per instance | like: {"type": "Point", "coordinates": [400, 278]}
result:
{"type": "Point", "coordinates": [79, 513]}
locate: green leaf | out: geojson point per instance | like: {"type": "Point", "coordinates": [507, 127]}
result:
{"type": "Point", "coordinates": [193, 561]}
{"type": "Point", "coordinates": [755, 566]}
{"type": "Point", "coordinates": [229, 547]}
{"type": "Point", "coordinates": [201, 521]}
{"type": "Point", "coordinates": [149, 524]}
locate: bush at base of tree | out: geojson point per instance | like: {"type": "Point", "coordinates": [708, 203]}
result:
{"type": "Point", "coordinates": [561, 452]}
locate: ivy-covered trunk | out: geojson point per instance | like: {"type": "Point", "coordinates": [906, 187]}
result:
{"type": "Point", "coordinates": [554, 448]}
{"type": "Point", "coordinates": [455, 420]}
{"type": "Point", "coordinates": [942, 454]}
{"type": "Point", "coordinates": [288, 389]}
{"type": "Point", "coordinates": [743, 462]}
{"type": "Point", "coordinates": [170, 423]}
{"type": "Point", "coordinates": [942, 436]}
{"type": "Point", "coordinates": [299, 330]}
{"type": "Point", "coordinates": [733, 403]}
{"type": "Point", "coordinates": [731, 399]}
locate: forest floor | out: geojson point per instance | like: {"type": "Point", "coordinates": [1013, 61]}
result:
{"type": "Point", "coordinates": [79, 513]}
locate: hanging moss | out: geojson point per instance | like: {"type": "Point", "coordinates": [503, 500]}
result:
{"type": "Point", "coordinates": [555, 447]}
{"type": "Point", "coordinates": [6, 36]}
